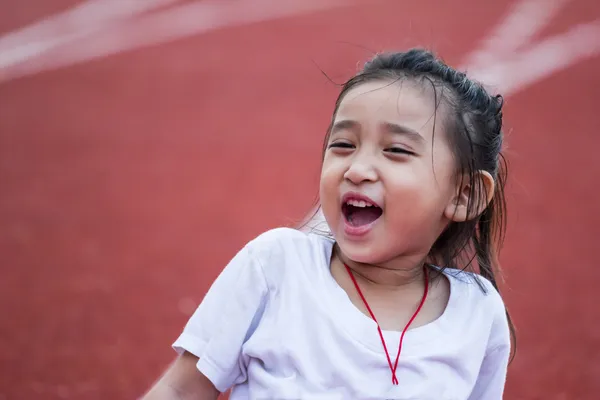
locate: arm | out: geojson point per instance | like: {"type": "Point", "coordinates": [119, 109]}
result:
{"type": "Point", "coordinates": [492, 375]}
{"type": "Point", "coordinates": [211, 343]}
{"type": "Point", "coordinates": [183, 381]}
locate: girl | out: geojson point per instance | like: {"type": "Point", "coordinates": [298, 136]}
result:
{"type": "Point", "coordinates": [383, 307]}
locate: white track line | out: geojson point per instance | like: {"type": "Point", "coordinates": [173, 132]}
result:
{"type": "Point", "coordinates": [170, 24]}
{"type": "Point", "coordinates": [506, 60]}
{"type": "Point", "coordinates": [541, 59]}
{"type": "Point", "coordinates": [70, 25]}
{"type": "Point", "coordinates": [525, 18]}
{"type": "Point", "coordinates": [509, 62]}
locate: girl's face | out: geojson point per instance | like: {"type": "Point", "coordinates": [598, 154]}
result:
{"type": "Point", "coordinates": [387, 187]}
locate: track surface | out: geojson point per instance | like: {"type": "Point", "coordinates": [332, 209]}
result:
{"type": "Point", "coordinates": [127, 182]}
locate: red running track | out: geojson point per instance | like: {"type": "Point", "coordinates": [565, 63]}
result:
{"type": "Point", "coordinates": [128, 182]}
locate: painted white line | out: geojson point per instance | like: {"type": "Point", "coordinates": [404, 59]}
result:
{"type": "Point", "coordinates": [541, 60]}
{"type": "Point", "coordinates": [525, 18]}
{"type": "Point", "coordinates": [171, 24]}
{"type": "Point", "coordinates": [509, 62]}
{"type": "Point", "coordinates": [99, 28]}
{"type": "Point", "coordinates": [69, 25]}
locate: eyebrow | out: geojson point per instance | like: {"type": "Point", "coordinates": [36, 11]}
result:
{"type": "Point", "coordinates": [389, 126]}
{"type": "Point", "coordinates": [403, 130]}
{"type": "Point", "coordinates": [344, 124]}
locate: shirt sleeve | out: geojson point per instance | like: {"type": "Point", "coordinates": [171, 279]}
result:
{"type": "Point", "coordinates": [225, 319]}
{"type": "Point", "coordinates": [492, 375]}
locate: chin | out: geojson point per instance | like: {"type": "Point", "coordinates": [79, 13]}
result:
{"type": "Point", "coordinates": [364, 253]}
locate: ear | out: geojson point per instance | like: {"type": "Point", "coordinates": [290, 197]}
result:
{"type": "Point", "coordinates": [457, 210]}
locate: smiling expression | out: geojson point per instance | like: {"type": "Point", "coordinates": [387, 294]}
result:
{"type": "Point", "coordinates": [386, 184]}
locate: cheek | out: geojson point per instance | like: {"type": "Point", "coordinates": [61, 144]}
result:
{"type": "Point", "coordinates": [332, 173]}
{"type": "Point", "coordinates": [408, 198]}
{"type": "Point", "coordinates": [328, 189]}
{"type": "Point", "coordinates": [419, 194]}
{"type": "Point", "coordinates": [415, 217]}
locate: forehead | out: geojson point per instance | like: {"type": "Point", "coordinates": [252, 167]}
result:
{"type": "Point", "coordinates": [406, 102]}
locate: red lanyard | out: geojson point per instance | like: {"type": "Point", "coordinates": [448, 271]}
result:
{"type": "Point", "coordinates": [392, 368]}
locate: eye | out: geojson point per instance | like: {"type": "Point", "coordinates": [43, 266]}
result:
{"type": "Point", "coordinates": [400, 150]}
{"type": "Point", "coordinates": [340, 145]}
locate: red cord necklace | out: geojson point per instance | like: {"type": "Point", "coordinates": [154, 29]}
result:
{"type": "Point", "coordinates": [392, 367]}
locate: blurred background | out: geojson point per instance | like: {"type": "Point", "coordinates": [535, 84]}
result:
{"type": "Point", "coordinates": [143, 142]}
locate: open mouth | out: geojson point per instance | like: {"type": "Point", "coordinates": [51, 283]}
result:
{"type": "Point", "coordinates": [360, 213]}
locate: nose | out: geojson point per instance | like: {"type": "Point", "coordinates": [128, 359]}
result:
{"type": "Point", "coordinates": [361, 170]}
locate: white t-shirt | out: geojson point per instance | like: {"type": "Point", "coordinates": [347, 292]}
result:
{"type": "Point", "coordinates": [276, 325]}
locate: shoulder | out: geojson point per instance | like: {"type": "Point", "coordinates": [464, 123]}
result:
{"type": "Point", "coordinates": [479, 289]}
{"type": "Point", "coordinates": [283, 248]}
{"type": "Point", "coordinates": [277, 240]}
{"type": "Point", "coordinates": [276, 236]}
{"type": "Point", "coordinates": [485, 305]}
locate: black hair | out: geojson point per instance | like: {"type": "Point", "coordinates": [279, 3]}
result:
{"type": "Point", "coordinates": [474, 128]}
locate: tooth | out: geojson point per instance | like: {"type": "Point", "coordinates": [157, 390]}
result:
{"type": "Point", "coordinates": [359, 203]}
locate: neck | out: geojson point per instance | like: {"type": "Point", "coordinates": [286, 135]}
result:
{"type": "Point", "coordinates": [394, 274]}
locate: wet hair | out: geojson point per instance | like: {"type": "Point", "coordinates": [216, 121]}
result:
{"type": "Point", "coordinates": [473, 124]}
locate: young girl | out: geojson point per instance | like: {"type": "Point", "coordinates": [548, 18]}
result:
{"type": "Point", "coordinates": [383, 307]}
